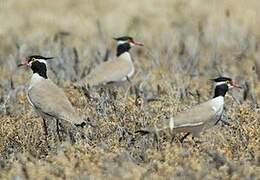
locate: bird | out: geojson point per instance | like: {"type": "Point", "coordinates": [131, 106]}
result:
{"type": "Point", "coordinates": [47, 99]}
{"type": "Point", "coordinates": [200, 117]}
{"type": "Point", "coordinates": [117, 70]}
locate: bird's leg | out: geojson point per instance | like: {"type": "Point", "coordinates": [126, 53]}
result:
{"type": "Point", "coordinates": [71, 132]}
{"type": "Point", "coordinates": [197, 141]}
{"type": "Point", "coordinates": [127, 78]}
{"type": "Point", "coordinates": [58, 130]}
{"type": "Point", "coordinates": [128, 88]}
{"type": "Point", "coordinates": [225, 122]}
{"type": "Point", "coordinates": [184, 137]}
{"type": "Point", "coordinates": [173, 137]}
{"type": "Point", "coordinates": [156, 138]}
{"type": "Point", "coordinates": [45, 128]}
{"type": "Point", "coordinates": [194, 141]}
{"type": "Point", "coordinates": [219, 119]}
{"type": "Point", "coordinates": [71, 135]}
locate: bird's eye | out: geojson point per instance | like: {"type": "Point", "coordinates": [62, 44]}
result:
{"type": "Point", "coordinates": [33, 59]}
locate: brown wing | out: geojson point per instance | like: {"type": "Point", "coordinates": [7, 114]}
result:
{"type": "Point", "coordinates": [51, 100]}
{"type": "Point", "coordinates": [197, 115]}
{"type": "Point", "coordinates": [110, 71]}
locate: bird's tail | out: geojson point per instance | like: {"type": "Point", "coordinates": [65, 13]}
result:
{"type": "Point", "coordinates": [166, 124]}
{"type": "Point", "coordinates": [85, 122]}
{"type": "Point", "coordinates": [82, 124]}
{"type": "Point", "coordinates": [78, 84]}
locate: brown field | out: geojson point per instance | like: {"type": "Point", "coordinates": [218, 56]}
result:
{"type": "Point", "coordinates": [186, 43]}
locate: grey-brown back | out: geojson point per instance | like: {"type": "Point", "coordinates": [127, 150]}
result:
{"type": "Point", "coordinates": [199, 114]}
{"type": "Point", "coordinates": [110, 71]}
{"type": "Point", "coordinates": [49, 99]}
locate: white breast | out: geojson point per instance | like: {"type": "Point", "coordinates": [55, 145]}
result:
{"type": "Point", "coordinates": [127, 57]}
{"type": "Point", "coordinates": [217, 105]}
{"type": "Point", "coordinates": [36, 78]}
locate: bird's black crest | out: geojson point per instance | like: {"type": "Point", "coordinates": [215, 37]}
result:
{"type": "Point", "coordinates": [221, 79]}
{"type": "Point", "coordinates": [123, 38]}
{"type": "Point", "coordinates": [39, 57]}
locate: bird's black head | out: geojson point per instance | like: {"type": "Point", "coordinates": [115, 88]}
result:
{"type": "Point", "coordinates": [124, 38]}
{"type": "Point", "coordinates": [125, 43]}
{"type": "Point", "coordinates": [37, 63]}
{"type": "Point", "coordinates": [223, 84]}
{"type": "Point", "coordinates": [222, 79]}
{"type": "Point", "coordinates": [37, 57]}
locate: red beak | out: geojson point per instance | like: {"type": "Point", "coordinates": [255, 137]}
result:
{"type": "Point", "coordinates": [234, 84]}
{"type": "Point", "coordinates": [24, 62]}
{"type": "Point", "coordinates": [137, 43]}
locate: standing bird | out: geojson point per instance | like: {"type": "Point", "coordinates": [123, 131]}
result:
{"type": "Point", "coordinates": [202, 116]}
{"type": "Point", "coordinates": [119, 69]}
{"type": "Point", "coordinates": [46, 97]}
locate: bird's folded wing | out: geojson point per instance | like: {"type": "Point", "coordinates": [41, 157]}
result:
{"type": "Point", "coordinates": [50, 99]}
{"type": "Point", "coordinates": [195, 116]}
{"type": "Point", "coordinates": [109, 71]}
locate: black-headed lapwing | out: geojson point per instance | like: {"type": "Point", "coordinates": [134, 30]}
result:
{"type": "Point", "coordinates": [201, 116]}
{"type": "Point", "coordinates": [119, 69]}
{"type": "Point", "coordinates": [46, 97]}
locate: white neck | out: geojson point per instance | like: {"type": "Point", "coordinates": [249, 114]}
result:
{"type": "Point", "coordinates": [125, 56]}
{"type": "Point", "coordinates": [42, 61]}
{"type": "Point", "coordinates": [217, 104]}
{"type": "Point", "coordinates": [35, 79]}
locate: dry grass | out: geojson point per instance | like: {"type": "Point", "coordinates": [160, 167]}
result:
{"type": "Point", "coordinates": [186, 43]}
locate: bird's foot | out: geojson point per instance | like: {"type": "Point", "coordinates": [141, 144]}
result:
{"type": "Point", "coordinates": [184, 137]}
{"type": "Point", "coordinates": [82, 125]}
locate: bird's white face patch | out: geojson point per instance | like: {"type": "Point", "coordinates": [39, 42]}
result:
{"type": "Point", "coordinates": [229, 85]}
{"type": "Point", "coordinates": [42, 61]}
{"type": "Point", "coordinates": [121, 42]}
{"type": "Point", "coordinates": [220, 83]}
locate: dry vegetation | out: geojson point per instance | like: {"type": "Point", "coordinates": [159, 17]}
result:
{"type": "Point", "coordinates": [186, 43]}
